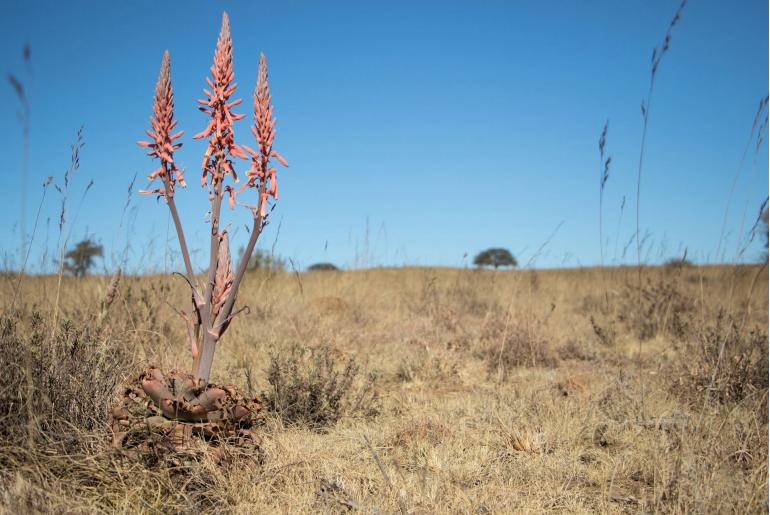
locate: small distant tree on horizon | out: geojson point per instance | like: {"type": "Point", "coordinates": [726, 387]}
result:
{"type": "Point", "coordinates": [265, 261]}
{"type": "Point", "coordinates": [323, 267]}
{"type": "Point", "coordinates": [678, 263]}
{"type": "Point", "coordinates": [80, 259]}
{"type": "Point", "coordinates": [495, 257]}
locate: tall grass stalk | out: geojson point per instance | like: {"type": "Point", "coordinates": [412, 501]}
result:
{"type": "Point", "coordinates": [762, 107]}
{"type": "Point", "coordinates": [75, 148]}
{"type": "Point", "coordinates": [23, 268]}
{"type": "Point", "coordinates": [741, 246]}
{"type": "Point", "coordinates": [604, 175]}
{"type": "Point", "coordinates": [657, 56]}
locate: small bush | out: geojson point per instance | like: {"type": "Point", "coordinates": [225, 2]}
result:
{"type": "Point", "coordinates": [664, 309]}
{"type": "Point", "coordinates": [742, 370]}
{"type": "Point", "coordinates": [308, 387]}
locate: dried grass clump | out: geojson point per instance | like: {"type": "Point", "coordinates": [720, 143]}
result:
{"type": "Point", "coordinates": [310, 387]}
{"type": "Point", "coordinates": [420, 430]}
{"type": "Point", "coordinates": [616, 402]}
{"type": "Point", "coordinates": [661, 307]}
{"type": "Point", "coordinates": [330, 306]}
{"type": "Point", "coordinates": [578, 350]}
{"type": "Point", "coordinates": [525, 441]}
{"type": "Point", "coordinates": [437, 366]}
{"type": "Point", "coordinates": [56, 384]}
{"type": "Point", "coordinates": [512, 343]}
{"type": "Point", "coordinates": [740, 371]}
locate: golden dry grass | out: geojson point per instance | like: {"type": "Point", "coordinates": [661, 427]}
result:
{"type": "Point", "coordinates": [498, 392]}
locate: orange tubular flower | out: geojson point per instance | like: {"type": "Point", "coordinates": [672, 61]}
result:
{"type": "Point", "coordinates": [218, 105]}
{"type": "Point", "coordinates": [261, 176]}
{"type": "Point", "coordinates": [162, 145]}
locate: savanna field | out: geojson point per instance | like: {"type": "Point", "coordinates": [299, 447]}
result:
{"type": "Point", "coordinates": [412, 390]}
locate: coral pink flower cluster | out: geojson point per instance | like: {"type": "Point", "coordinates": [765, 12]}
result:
{"type": "Point", "coordinates": [218, 106]}
{"type": "Point", "coordinates": [260, 174]}
{"type": "Point", "coordinates": [163, 143]}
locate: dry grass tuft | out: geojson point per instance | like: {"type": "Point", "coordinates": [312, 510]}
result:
{"type": "Point", "coordinates": [512, 343]}
{"type": "Point", "coordinates": [58, 385]}
{"type": "Point", "coordinates": [724, 361]}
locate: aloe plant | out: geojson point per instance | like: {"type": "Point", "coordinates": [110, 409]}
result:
{"type": "Point", "coordinates": [212, 304]}
{"type": "Point", "coordinates": [189, 398]}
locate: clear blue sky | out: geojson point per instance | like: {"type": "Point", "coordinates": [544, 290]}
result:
{"type": "Point", "coordinates": [417, 132]}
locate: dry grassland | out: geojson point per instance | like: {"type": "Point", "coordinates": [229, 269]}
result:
{"type": "Point", "coordinates": [408, 390]}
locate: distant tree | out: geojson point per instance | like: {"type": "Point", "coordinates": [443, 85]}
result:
{"type": "Point", "coordinates": [322, 267]}
{"type": "Point", "coordinates": [261, 260]}
{"type": "Point", "coordinates": [80, 259]}
{"type": "Point", "coordinates": [495, 257]}
{"type": "Point", "coordinates": [677, 263]}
